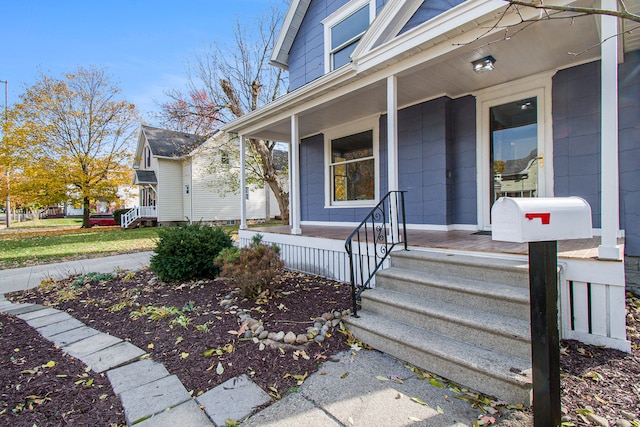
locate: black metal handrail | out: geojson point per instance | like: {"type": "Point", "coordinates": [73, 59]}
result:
{"type": "Point", "coordinates": [384, 227]}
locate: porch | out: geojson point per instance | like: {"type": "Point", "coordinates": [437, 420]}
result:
{"type": "Point", "coordinates": [139, 216]}
{"type": "Point", "coordinates": [592, 291]}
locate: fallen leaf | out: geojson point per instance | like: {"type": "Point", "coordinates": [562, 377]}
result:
{"type": "Point", "coordinates": [220, 369]}
{"type": "Point", "coordinates": [440, 410]}
{"type": "Point", "coordinates": [414, 419]}
{"type": "Point", "coordinates": [435, 383]}
{"type": "Point", "coordinates": [184, 355]}
{"type": "Point", "coordinates": [179, 340]}
{"type": "Point", "coordinates": [351, 421]}
{"type": "Point", "coordinates": [49, 364]}
{"type": "Point", "coordinates": [381, 378]}
{"type": "Point", "coordinates": [345, 375]}
{"type": "Point", "coordinates": [420, 401]}
{"type": "Point", "coordinates": [150, 345]}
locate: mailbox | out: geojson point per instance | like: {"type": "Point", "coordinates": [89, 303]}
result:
{"type": "Point", "coordinates": [537, 219]}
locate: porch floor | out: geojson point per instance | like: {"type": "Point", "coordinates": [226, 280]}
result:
{"type": "Point", "coordinates": [454, 240]}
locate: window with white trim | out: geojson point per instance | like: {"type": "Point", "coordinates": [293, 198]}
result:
{"type": "Point", "coordinates": [352, 167]}
{"type": "Point", "coordinates": [343, 30]}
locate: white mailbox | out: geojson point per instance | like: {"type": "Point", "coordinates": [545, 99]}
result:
{"type": "Point", "coordinates": [537, 219]}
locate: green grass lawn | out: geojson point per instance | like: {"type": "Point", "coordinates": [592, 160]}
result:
{"type": "Point", "coordinates": [24, 247]}
{"type": "Point", "coordinates": [54, 240]}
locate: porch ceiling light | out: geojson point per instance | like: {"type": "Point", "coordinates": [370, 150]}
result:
{"type": "Point", "coordinates": [484, 64]}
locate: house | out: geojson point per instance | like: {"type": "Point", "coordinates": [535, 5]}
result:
{"type": "Point", "coordinates": [457, 103]}
{"type": "Point", "coordinates": [177, 183]}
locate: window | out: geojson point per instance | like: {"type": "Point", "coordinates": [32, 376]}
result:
{"type": "Point", "coordinates": [352, 165]}
{"type": "Point", "coordinates": [343, 30]}
{"type": "Point", "coordinates": [147, 157]}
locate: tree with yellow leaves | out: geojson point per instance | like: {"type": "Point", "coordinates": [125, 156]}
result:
{"type": "Point", "coordinates": [72, 137]}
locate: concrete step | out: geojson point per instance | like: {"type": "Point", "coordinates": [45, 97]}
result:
{"type": "Point", "coordinates": [484, 269]}
{"type": "Point", "coordinates": [474, 326]}
{"type": "Point", "coordinates": [505, 377]}
{"type": "Point", "coordinates": [494, 298]}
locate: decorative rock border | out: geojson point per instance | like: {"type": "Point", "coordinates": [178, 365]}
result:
{"type": "Point", "coordinates": [322, 326]}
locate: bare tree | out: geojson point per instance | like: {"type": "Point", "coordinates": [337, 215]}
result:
{"type": "Point", "coordinates": [226, 83]}
{"type": "Point", "coordinates": [576, 11]}
{"type": "Point", "coordinates": [554, 12]}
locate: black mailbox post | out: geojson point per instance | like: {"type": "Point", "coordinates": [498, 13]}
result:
{"type": "Point", "coordinates": [542, 222]}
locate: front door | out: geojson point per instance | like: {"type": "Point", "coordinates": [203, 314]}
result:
{"type": "Point", "coordinates": [514, 159]}
{"type": "Point", "coordinates": [514, 144]}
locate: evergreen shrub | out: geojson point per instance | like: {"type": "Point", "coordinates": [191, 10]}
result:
{"type": "Point", "coordinates": [188, 251]}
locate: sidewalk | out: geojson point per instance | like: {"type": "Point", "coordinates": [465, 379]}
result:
{"type": "Point", "coordinates": [357, 388]}
{"type": "Point", "coordinates": [18, 279]}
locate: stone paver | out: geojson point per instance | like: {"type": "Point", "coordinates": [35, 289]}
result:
{"type": "Point", "coordinates": [136, 374]}
{"type": "Point", "coordinates": [39, 322]}
{"type": "Point", "coordinates": [91, 345]}
{"type": "Point", "coordinates": [234, 399]}
{"type": "Point", "coordinates": [71, 335]}
{"type": "Point", "coordinates": [59, 327]}
{"type": "Point", "coordinates": [187, 414]}
{"type": "Point", "coordinates": [38, 313]}
{"type": "Point", "coordinates": [112, 357]}
{"type": "Point", "coordinates": [153, 398]}
{"type": "Point", "coordinates": [17, 309]}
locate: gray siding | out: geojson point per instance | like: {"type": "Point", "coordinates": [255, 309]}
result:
{"type": "Point", "coordinates": [434, 137]}
{"type": "Point", "coordinates": [576, 129]}
{"type": "Point", "coordinates": [312, 175]}
{"type": "Point", "coordinates": [429, 10]}
{"type": "Point", "coordinates": [306, 57]}
{"type": "Point", "coordinates": [629, 147]}
{"type": "Point", "coordinates": [422, 150]}
{"type": "Point", "coordinates": [576, 134]}
{"type": "Point", "coordinates": [463, 161]}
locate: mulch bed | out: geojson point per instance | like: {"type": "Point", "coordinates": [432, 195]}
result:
{"type": "Point", "coordinates": [602, 380]}
{"type": "Point", "coordinates": [41, 386]}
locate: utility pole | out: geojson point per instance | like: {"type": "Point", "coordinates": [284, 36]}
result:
{"type": "Point", "coordinates": [6, 121]}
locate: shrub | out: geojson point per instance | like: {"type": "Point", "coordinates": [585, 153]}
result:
{"type": "Point", "coordinates": [188, 251]}
{"type": "Point", "coordinates": [252, 269]}
{"type": "Point", "coordinates": [117, 215]}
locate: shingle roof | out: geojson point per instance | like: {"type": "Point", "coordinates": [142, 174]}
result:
{"type": "Point", "coordinates": [145, 177]}
{"type": "Point", "coordinates": [169, 143]}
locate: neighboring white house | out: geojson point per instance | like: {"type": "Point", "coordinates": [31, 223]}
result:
{"type": "Point", "coordinates": [178, 185]}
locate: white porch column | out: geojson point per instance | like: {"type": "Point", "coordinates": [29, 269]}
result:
{"type": "Point", "coordinates": [294, 207]}
{"type": "Point", "coordinates": [392, 152]}
{"type": "Point", "coordinates": [243, 184]}
{"type": "Point", "coordinates": [609, 198]}
{"type": "Point", "coordinates": [392, 132]}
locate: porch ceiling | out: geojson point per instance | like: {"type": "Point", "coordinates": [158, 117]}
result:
{"type": "Point", "coordinates": [422, 75]}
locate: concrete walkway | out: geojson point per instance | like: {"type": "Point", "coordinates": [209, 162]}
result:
{"type": "Point", "coordinates": [357, 388]}
{"type": "Point", "coordinates": [18, 279]}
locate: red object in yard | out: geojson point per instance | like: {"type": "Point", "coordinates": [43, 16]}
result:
{"type": "Point", "coordinates": [101, 220]}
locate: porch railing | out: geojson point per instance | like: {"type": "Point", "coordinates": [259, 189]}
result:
{"type": "Point", "coordinates": [370, 243]}
{"type": "Point", "coordinates": [133, 214]}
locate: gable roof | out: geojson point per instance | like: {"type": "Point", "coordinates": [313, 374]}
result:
{"type": "Point", "coordinates": [290, 26]}
{"type": "Point", "coordinates": [169, 143]}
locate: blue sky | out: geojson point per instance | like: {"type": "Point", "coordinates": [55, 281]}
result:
{"type": "Point", "coordinates": [144, 43]}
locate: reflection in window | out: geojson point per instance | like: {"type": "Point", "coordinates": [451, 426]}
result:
{"type": "Point", "coordinates": [353, 167]}
{"type": "Point", "coordinates": [345, 36]}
